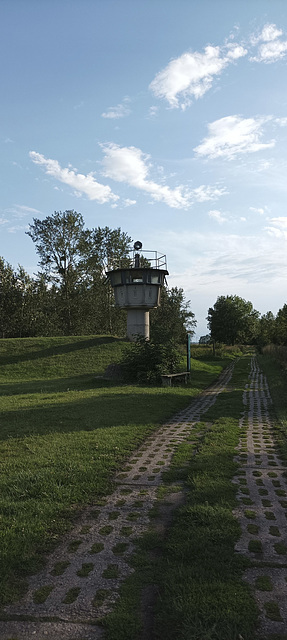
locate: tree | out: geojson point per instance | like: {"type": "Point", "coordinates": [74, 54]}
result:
{"type": "Point", "coordinates": [280, 333]}
{"type": "Point", "coordinates": [74, 262]}
{"type": "Point", "coordinates": [172, 320]}
{"type": "Point", "coordinates": [59, 241]}
{"type": "Point", "coordinates": [233, 320]}
{"type": "Point", "coordinates": [205, 339]}
{"type": "Point", "coordinates": [267, 329]}
{"type": "Point", "coordinates": [105, 249]}
{"type": "Point", "coordinates": [10, 300]}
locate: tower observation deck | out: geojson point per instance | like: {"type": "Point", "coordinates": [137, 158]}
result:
{"type": "Point", "coordinates": [137, 283]}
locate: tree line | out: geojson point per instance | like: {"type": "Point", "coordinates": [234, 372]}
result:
{"type": "Point", "coordinates": [70, 294]}
{"type": "Point", "coordinates": [233, 320]}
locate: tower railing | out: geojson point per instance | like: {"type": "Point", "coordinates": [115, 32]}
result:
{"type": "Point", "coordinates": [143, 259]}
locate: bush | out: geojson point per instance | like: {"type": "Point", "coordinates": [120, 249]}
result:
{"type": "Point", "coordinates": [146, 361]}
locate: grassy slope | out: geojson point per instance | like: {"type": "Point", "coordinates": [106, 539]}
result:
{"type": "Point", "coordinates": [63, 434]}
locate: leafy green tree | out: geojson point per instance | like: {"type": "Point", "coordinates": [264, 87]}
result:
{"type": "Point", "coordinates": [172, 320]}
{"type": "Point", "coordinates": [204, 339]}
{"type": "Point", "coordinates": [73, 261]}
{"type": "Point", "coordinates": [10, 300]}
{"type": "Point", "coordinates": [233, 320]}
{"type": "Point", "coordinates": [267, 329]}
{"type": "Point", "coordinates": [105, 249]}
{"type": "Point", "coordinates": [59, 241]}
{"type": "Point", "coordinates": [280, 328]}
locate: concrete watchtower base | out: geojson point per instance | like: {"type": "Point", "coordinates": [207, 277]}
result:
{"type": "Point", "coordinates": [137, 323]}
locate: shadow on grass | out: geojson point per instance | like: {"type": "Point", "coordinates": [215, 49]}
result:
{"type": "Point", "coordinates": [54, 385]}
{"type": "Point", "coordinates": [105, 410]}
{"type": "Point", "coordinates": [68, 346]}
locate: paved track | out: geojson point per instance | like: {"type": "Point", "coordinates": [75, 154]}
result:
{"type": "Point", "coordinates": [262, 507]}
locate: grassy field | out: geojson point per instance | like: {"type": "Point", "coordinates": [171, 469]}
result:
{"type": "Point", "coordinates": [64, 432]}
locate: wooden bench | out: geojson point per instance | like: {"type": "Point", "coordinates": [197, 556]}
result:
{"type": "Point", "coordinates": [168, 378]}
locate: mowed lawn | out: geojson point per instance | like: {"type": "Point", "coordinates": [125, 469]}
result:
{"type": "Point", "coordinates": [64, 432]}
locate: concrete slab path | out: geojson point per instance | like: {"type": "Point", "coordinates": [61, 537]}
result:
{"type": "Point", "coordinates": [262, 510]}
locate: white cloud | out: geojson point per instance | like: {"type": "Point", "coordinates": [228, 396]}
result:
{"type": "Point", "coordinates": [268, 33]}
{"type": "Point", "coordinates": [18, 227]}
{"type": "Point", "coordinates": [271, 47]}
{"type": "Point", "coordinates": [192, 74]}
{"type": "Point", "coordinates": [271, 51]}
{"type": "Point", "coordinates": [281, 121]}
{"type": "Point", "coordinates": [235, 51]}
{"type": "Point", "coordinates": [3, 220]}
{"type": "Point", "coordinates": [20, 211]}
{"type": "Point", "coordinates": [131, 165]}
{"type": "Point", "coordinates": [81, 183]}
{"type": "Point", "coordinates": [280, 222]}
{"type": "Point", "coordinates": [153, 111]}
{"type": "Point", "coordinates": [129, 203]}
{"type": "Point", "coordinates": [259, 210]}
{"type": "Point", "coordinates": [120, 111]}
{"type": "Point", "coordinates": [278, 227]}
{"type": "Point", "coordinates": [23, 208]}
{"type": "Point", "coordinates": [217, 216]}
{"type": "Point", "coordinates": [207, 192]}
{"type": "Point", "coordinates": [231, 135]}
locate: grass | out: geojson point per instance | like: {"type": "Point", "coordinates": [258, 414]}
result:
{"type": "Point", "coordinates": [64, 433]}
{"type": "Point", "coordinates": [277, 382]}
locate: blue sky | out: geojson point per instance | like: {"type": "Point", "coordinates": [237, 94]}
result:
{"type": "Point", "coordinates": [165, 118]}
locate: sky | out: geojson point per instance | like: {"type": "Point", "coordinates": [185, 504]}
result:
{"type": "Point", "coordinates": [166, 118]}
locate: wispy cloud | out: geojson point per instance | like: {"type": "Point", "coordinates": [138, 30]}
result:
{"type": "Point", "coordinates": [278, 227]}
{"type": "Point", "coordinates": [226, 260]}
{"type": "Point", "coordinates": [234, 135]}
{"type": "Point", "coordinates": [18, 227]}
{"type": "Point", "coordinates": [120, 111]}
{"type": "Point", "coordinates": [216, 215]}
{"type": "Point", "coordinates": [271, 46]}
{"type": "Point", "coordinates": [260, 210]}
{"type": "Point", "coordinates": [208, 192]}
{"type": "Point", "coordinates": [132, 166]}
{"type": "Point", "coordinates": [20, 211]}
{"type": "Point", "coordinates": [191, 75]}
{"type": "Point", "coordinates": [83, 184]}
{"type": "Point", "coordinates": [153, 111]}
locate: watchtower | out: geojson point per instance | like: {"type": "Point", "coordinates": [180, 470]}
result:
{"type": "Point", "coordinates": [137, 286]}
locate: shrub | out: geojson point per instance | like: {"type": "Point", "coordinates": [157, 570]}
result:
{"type": "Point", "coordinates": [146, 361]}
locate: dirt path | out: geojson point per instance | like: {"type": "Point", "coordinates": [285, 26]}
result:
{"type": "Point", "coordinates": [262, 507]}
{"type": "Point", "coordinates": [81, 579]}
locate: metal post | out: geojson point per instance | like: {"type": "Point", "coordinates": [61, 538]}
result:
{"type": "Point", "coordinates": [188, 342]}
